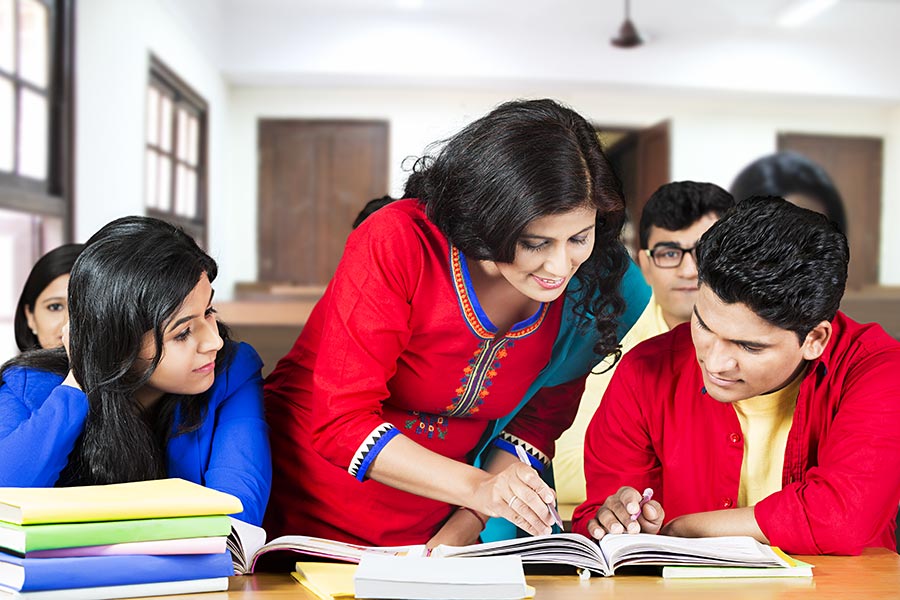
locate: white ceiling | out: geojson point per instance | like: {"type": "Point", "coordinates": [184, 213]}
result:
{"type": "Point", "coordinates": [851, 50]}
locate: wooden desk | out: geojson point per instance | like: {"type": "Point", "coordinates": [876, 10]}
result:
{"type": "Point", "coordinates": [875, 574]}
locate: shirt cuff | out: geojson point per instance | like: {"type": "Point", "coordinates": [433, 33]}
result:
{"type": "Point", "coordinates": [369, 449]}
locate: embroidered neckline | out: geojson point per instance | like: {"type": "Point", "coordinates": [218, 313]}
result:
{"type": "Point", "coordinates": [475, 316]}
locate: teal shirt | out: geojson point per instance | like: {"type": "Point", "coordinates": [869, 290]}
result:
{"type": "Point", "coordinates": [572, 357]}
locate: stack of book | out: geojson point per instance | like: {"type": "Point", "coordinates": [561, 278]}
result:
{"type": "Point", "coordinates": [147, 538]}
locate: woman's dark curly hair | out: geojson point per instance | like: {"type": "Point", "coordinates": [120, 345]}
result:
{"type": "Point", "coordinates": [524, 160]}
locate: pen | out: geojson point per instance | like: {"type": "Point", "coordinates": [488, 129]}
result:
{"type": "Point", "coordinates": [645, 498]}
{"type": "Point", "coordinates": [523, 456]}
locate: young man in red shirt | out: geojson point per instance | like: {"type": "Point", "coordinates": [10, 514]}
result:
{"type": "Point", "coordinates": [770, 414]}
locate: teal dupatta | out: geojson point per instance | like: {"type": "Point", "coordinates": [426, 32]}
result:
{"type": "Point", "coordinates": [572, 357]}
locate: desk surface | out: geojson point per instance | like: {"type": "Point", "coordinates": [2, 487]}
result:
{"type": "Point", "coordinates": [875, 574]}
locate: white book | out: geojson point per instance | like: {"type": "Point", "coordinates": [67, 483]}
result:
{"type": "Point", "coordinates": [163, 588]}
{"type": "Point", "coordinates": [381, 576]}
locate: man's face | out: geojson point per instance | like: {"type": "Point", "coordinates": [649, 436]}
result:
{"type": "Point", "coordinates": [675, 289]}
{"type": "Point", "coordinates": [742, 355]}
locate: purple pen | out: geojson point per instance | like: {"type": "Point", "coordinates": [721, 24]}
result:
{"type": "Point", "coordinates": [645, 498]}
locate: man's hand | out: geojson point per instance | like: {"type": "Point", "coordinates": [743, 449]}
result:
{"type": "Point", "coordinates": [615, 516]}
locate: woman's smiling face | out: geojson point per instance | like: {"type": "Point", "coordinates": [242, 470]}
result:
{"type": "Point", "coordinates": [549, 252]}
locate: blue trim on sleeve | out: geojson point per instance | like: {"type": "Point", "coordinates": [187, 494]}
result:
{"type": "Point", "coordinates": [371, 454]}
{"type": "Point", "coordinates": [511, 448]}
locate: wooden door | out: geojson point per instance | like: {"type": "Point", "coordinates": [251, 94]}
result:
{"type": "Point", "coordinates": [314, 177]}
{"type": "Point", "coordinates": [641, 159]}
{"type": "Point", "coordinates": [854, 165]}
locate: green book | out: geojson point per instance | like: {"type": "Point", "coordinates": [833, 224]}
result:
{"type": "Point", "coordinates": [20, 539]}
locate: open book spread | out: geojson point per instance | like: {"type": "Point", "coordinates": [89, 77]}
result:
{"type": "Point", "coordinates": [247, 544]}
{"type": "Point", "coordinates": [615, 551]}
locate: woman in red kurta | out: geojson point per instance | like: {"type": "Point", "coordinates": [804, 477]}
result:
{"type": "Point", "coordinates": [440, 316]}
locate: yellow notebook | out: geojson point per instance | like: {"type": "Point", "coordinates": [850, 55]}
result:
{"type": "Point", "coordinates": [115, 502]}
{"type": "Point", "coordinates": [327, 581]}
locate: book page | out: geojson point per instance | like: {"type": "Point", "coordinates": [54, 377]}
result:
{"type": "Point", "coordinates": [332, 549]}
{"type": "Point", "coordinates": [561, 548]}
{"type": "Point", "coordinates": [648, 549]}
{"type": "Point", "coordinates": [244, 542]}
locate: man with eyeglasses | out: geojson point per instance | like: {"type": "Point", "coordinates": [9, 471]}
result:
{"type": "Point", "coordinates": [771, 414]}
{"type": "Point", "coordinates": [674, 218]}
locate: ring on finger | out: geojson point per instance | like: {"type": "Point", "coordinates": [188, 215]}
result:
{"type": "Point", "coordinates": [511, 500]}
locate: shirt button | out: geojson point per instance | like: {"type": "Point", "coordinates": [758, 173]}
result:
{"type": "Point", "coordinates": [727, 502]}
{"type": "Point", "coordinates": [735, 438]}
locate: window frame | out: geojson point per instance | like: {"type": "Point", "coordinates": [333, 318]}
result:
{"type": "Point", "coordinates": [182, 94]}
{"type": "Point", "coordinates": [54, 195]}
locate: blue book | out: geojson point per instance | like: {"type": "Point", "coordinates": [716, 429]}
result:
{"type": "Point", "coordinates": [32, 574]}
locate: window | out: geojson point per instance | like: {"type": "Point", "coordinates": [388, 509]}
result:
{"type": "Point", "coordinates": [175, 180]}
{"type": "Point", "coordinates": [36, 70]}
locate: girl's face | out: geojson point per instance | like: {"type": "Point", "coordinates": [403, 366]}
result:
{"type": "Point", "coordinates": [190, 344]}
{"type": "Point", "coordinates": [49, 313]}
{"type": "Point", "coordinates": [549, 253]}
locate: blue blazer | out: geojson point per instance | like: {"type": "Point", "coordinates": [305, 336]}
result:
{"type": "Point", "coordinates": [40, 421]}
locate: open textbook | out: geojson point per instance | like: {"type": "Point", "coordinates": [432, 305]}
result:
{"type": "Point", "coordinates": [248, 542]}
{"type": "Point", "coordinates": [614, 551]}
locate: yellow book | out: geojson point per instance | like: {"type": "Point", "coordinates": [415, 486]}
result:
{"type": "Point", "coordinates": [115, 502]}
{"type": "Point", "coordinates": [327, 581]}
{"type": "Point", "coordinates": [334, 581]}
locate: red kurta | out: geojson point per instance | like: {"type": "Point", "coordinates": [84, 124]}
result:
{"type": "Point", "coordinates": [399, 346]}
{"type": "Point", "coordinates": [656, 427]}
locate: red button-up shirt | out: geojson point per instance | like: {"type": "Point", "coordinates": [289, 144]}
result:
{"type": "Point", "coordinates": [656, 427]}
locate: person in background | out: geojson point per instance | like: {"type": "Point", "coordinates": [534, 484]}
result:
{"type": "Point", "coordinates": [459, 325]}
{"type": "Point", "coordinates": [794, 177]}
{"type": "Point", "coordinates": [672, 221]}
{"type": "Point", "coordinates": [370, 207]}
{"type": "Point", "coordinates": [43, 307]}
{"type": "Point", "coordinates": [771, 414]}
{"type": "Point", "coordinates": [148, 384]}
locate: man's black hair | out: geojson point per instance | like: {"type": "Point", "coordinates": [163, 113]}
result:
{"type": "Point", "coordinates": [785, 263]}
{"type": "Point", "coordinates": [680, 204]}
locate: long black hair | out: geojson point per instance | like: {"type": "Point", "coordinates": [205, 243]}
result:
{"type": "Point", "coordinates": [131, 278]}
{"type": "Point", "coordinates": [524, 160]}
{"type": "Point", "coordinates": [57, 262]}
{"type": "Point", "coordinates": [786, 173]}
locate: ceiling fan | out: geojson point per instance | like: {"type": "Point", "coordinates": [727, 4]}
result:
{"type": "Point", "coordinates": [628, 36]}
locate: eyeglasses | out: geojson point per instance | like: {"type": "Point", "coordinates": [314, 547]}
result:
{"type": "Point", "coordinates": [670, 257]}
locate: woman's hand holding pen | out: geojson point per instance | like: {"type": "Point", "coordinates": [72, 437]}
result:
{"type": "Point", "coordinates": [627, 511]}
{"type": "Point", "coordinates": [518, 494]}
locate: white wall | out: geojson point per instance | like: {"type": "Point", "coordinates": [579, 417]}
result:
{"type": "Point", "coordinates": [713, 133]}
{"type": "Point", "coordinates": [713, 136]}
{"type": "Point", "coordinates": [114, 42]}
{"type": "Point", "coordinates": [889, 263]}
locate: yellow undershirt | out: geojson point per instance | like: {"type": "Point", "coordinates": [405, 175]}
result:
{"type": "Point", "coordinates": [765, 423]}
